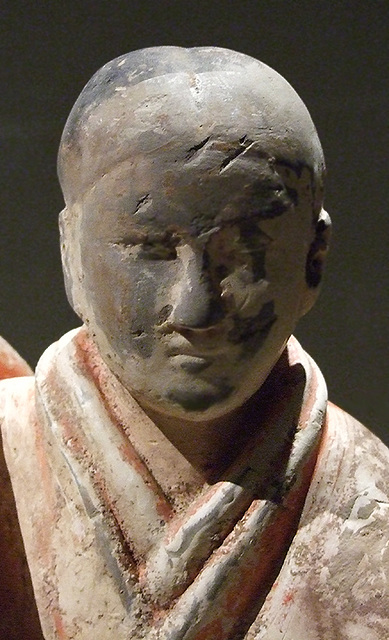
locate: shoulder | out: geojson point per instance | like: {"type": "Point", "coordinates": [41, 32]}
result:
{"type": "Point", "coordinates": [347, 520]}
{"type": "Point", "coordinates": [11, 363]}
{"type": "Point", "coordinates": [16, 594]}
{"type": "Point", "coordinates": [16, 400]}
{"type": "Point", "coordinates": [17, 409]}
{"type": "Point", "coordinates": [351, 475]}
{"type": "Point", "coordinates": [348, 444]}
{"type": "Point", "coordinates": [336, 574]}
{"type": "Point", "coordinates": [16, 381]}
{"type": "Point", "coordinates": [340, 419]}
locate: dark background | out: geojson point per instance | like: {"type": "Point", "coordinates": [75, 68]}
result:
{"type": "Point", "coordinates": [334, 53]}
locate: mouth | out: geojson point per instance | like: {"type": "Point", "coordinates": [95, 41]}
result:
{"type": "Point", "coordinates": [191, 363]}
{"type": "Point", "coordinates": [194, 354]}
{"type": "Point", "coordinates": [197, 345]}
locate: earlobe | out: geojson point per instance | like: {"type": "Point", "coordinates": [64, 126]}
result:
{"type": "Point", "coordinates": [316, 259]}
{"type": "Point", "coordinates": [318, 250]}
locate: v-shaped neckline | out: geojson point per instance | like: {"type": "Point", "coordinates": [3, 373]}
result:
{"type": "Point", "coordinates": [171, 554]}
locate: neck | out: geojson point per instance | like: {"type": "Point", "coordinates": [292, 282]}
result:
{"type": "Point", "coordinates": [210, 446]}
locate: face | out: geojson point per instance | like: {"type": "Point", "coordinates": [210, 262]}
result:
{"type": "Point", "coordinates": [194, 264]}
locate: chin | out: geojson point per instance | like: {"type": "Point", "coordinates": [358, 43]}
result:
{"type": "Point", "coordinates": [192, 402]}
{"type": "Point", "coordinates": [199, 401]}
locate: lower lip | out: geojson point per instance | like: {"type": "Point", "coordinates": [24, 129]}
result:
{"type": "Point", "coordinates": [191, 364]}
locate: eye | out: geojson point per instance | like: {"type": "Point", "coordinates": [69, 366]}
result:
{"type": "Point", "coordinates": [150, 245]}
{"type": "Point", "coordinates": [159, 247]}
{"type": "Point", "coordinates": [157, 251]}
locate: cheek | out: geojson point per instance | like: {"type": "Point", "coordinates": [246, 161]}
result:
{"type": "Point", "coordinates": [127, 300]}
{"type": "Point", "coordinates": [101, 270]}
{"type": "Point", "coordinates": [117, 292]}
{"type": "Point", "coordinates": [285, 269]}
{"type": "Point", "coordinates": [138, 313]}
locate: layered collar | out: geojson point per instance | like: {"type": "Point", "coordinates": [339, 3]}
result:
{"type": "Point", "coordinates": [203, 571]}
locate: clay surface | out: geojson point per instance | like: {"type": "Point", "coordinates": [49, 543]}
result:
{"type": "Point", "coordinates": [178, 473]}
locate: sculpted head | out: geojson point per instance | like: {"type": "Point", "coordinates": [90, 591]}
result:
{"type": "Point", "coordinates": [193, 235]}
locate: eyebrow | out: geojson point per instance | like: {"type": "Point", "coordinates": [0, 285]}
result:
{"type": "Point", "coordinates": [265, 211]}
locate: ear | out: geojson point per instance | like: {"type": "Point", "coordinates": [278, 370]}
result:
{"type": "Point", "coordinates": [316, 259]}
{"type": "Point", "coordinates": [71, 259]}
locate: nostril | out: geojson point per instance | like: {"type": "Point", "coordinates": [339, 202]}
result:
{"type": "Point", "coordinates": [164, 313]}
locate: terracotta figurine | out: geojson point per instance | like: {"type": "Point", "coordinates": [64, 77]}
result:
{"type": "Point", "coordinates": [178, 472]}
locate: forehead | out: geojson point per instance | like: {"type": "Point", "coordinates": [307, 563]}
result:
{"type": "Point", "coordinates": [188, 108]}
{"type": "Point", "coordinates": [209, 183]}
{"type": "Point", "coordinates": [168, 113]}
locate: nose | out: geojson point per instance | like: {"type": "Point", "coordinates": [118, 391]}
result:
{"type": "Point", "coordinates": [198, 303]}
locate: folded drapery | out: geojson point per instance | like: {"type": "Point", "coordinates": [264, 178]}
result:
{"type": "Point", "coordinates": [111, 556]}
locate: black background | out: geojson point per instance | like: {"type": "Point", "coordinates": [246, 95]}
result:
{"type": "Point", "coordinates": [334, 53]}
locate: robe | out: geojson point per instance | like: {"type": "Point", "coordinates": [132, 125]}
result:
{"type": "Point", "coordinates": [297, 554]}
{"type": "Point", "coordinates": [18, 614]}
